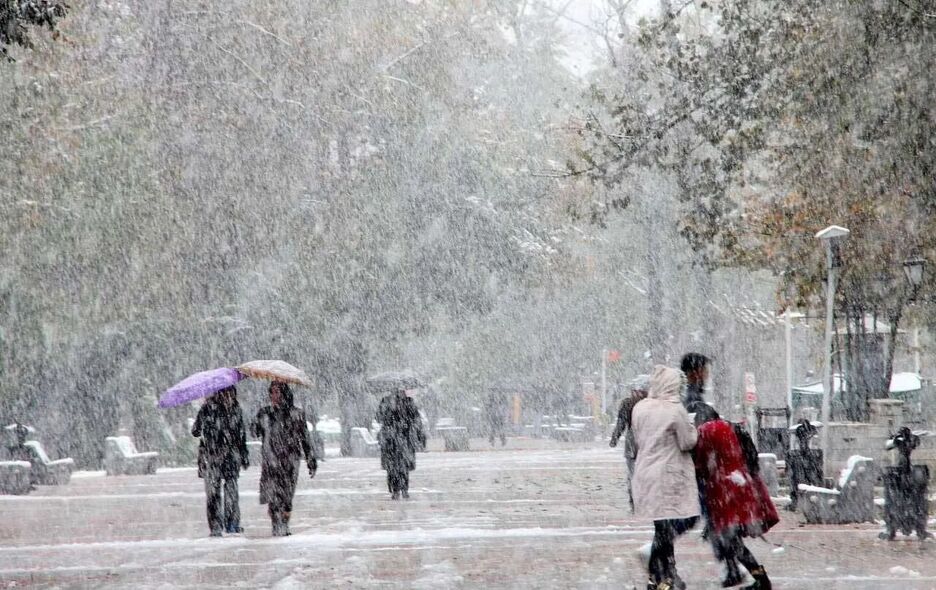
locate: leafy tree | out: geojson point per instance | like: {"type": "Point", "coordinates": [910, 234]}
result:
{"type": "Point", "coordinates": [16, 16]}
{"type": "Point", "coordinates": [778, 118]}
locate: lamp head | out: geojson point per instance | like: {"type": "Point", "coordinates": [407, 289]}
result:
{"type": "Point", "coordinates": [833, 232]}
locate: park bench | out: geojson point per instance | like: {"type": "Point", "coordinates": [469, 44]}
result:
{"type": "Point", "coordinates": [45, 471]}
{"type": "Point", "coordinates": [455, 438]}
{"type": "Point", "coordinates": [575, 433]}
{"type": "Point", "coordinates": [585, 422]}
{"type": "Point", "coordinates": [122, 458]}
{"type": "Point", "coordinates": [14, 477]}
{"type": "Point", "coordinates": [852, 501]}
{"type": "Point", "coordinates": [363, 443]}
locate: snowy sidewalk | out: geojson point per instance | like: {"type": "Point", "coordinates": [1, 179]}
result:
{"type": "Point", "coordinates": [544, 516]}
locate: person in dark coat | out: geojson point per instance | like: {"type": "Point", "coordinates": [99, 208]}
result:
{"type": "Point", "coordinates": [281, 427]}
{"type": "Point", "coordinates": [737, 501]}
{"type": "Point", "coordinates": [696, 368]}
{"type": "Point", "coordinates": [401, 433]}
{"type": "Point", "coordinates": [495, 418]}
{"type": "Point", "coordinates": [639, 388]}
{"type": "Point", "coordinates": [222, 453]}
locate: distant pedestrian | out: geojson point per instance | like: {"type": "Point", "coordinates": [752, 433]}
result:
{"type": "Point", "coordinates": [737, 501]}
{"type": "Point", "coordinates": [696, 368]}
{"type": "Point", "coordinates": [281, 426]}
{"type": "Point", "coordinates": [222, 453]}
{"type": "Point", "coordinates": [401, 434]}
{"type": "Point", "coordinates": [495, 417]}
{"type": "Point", "coordinates": [664, 479]}
{"type": "Point", "coordinates": [638, 391]}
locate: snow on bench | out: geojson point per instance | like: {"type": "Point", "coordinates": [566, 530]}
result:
{"type": "Point", "coordinates": [45, 470]}
{"type": "Point", "coordinates": [122, 458]}
{"type": "Point", "coordinates": [14, 477]}
{"type": "Point", "coordinates": [455, 437]}
{"type": "Point", "coordinates": [363, 443]}
{"type": "Point", "coordinates": [852, 501]}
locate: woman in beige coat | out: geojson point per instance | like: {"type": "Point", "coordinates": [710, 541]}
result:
{"type": "Point", "coordinates": [664, 485]}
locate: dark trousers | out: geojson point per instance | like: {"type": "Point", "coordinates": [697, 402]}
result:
{"type": "Point", "coordinates": [398, 480]}
{"type": "Point", "coordinates": [730, 548]}
{"type": "Point", "coordinates": [229, 518]}
{"type": "Point", "coordinates": [662, 552]}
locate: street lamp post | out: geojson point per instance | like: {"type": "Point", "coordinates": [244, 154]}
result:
{"type": "Point", "coordinates": [831, 236]}
{"type": "Point", "coordinates": [913, 270]}
{"type": "Point", "coordinates": [604, 380]}
{"type": "Point", "coordinates": [788, 317]}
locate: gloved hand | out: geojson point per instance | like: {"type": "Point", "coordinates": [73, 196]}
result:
{"type": "Point", "coordinates": [245, 464]}
{"type": "Point", "coordinates": [313, 467]}
{"type": "Point", "coordinates": [613, 443]}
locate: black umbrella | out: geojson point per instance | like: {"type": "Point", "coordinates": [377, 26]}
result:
{"type": "Point", "coordinates": [392, 380]}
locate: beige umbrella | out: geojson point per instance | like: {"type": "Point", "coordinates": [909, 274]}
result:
{"type": "Point", "coordinates": [275, 371]}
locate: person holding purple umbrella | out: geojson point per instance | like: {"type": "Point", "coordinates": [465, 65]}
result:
{"type": "Point", "coordinates": [222, 453]}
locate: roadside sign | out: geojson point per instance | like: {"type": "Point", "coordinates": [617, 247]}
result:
{"type": "Point", "coordinates": [750, 389]}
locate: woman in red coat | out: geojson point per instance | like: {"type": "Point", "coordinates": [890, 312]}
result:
{"type": "Point", "coordinates": [737, 502]}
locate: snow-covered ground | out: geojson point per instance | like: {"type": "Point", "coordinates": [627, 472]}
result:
{"type": "Point", "coordinates": [536, 515]}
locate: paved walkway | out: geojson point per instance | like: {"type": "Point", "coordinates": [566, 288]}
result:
{"type": "Point", "coordinates": [536, 515]}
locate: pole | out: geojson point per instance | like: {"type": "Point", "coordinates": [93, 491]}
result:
{"type": "Point", "coordinates": [788, 331]}
{"type": "Point", "coordinates": [828, 378]}
{"type": "Point", "coordinates": [916, 350]}
{"type": "Point", "coordinates": [604, 380]}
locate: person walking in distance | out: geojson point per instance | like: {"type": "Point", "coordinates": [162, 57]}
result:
{"type": "Point", "coordinates": [281, 427]}
{"type": "Point", "coordinates": [401, 433]}
{"type": "Point", "coordinates": [664, 475]}
{"type": "Point", "coordinates": [495, 417]}
{"type": "Point", "coordinates": [222, 453]}
{"type": "Point", "coordinates": [638, 391]}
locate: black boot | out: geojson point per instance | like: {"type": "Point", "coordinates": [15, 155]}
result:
{"type": "Point", "coordinates": [276, 518]}
{"type": "Point", "coordinates": [285, 529]}
{"type": "Point", "coordinates": [761, 581]}
{"type": "Point", "coordinates": [678, 583]}
{"type": "Point", "coordinates": [733, 575]}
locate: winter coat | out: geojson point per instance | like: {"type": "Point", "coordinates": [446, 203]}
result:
{"type": "Point", "coordinates": [625, 414]}
{"type": "Point", "coordinates": [694, 396]}
{"type": "Point", "coordinates": [223, 447]}
{"type": "Point", "coordinates": [733, 496]}
{"type": "Point", "coordinates": [285, 439]}
{"type": "Point", "coordinates": [664, 485]}
{"type": "Point", "coordinates": [401, 432]}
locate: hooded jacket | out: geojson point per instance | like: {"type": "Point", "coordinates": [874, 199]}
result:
{"type": "Point", "coordinates": [664, 485]}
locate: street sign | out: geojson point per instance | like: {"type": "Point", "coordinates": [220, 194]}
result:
{"type": "Point", "coordinates": [750, 389]}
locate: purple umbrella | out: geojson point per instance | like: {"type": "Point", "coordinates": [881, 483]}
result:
{"type": "Point", "coordinates": [198, 386]}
